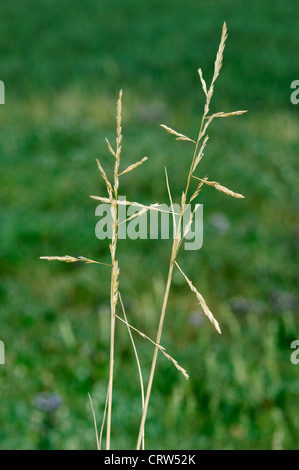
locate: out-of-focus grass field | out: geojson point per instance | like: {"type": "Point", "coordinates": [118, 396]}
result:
{"type": "Point", "coordinates": [63, 64]}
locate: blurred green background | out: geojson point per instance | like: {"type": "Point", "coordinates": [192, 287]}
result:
{"type": "Point", "coordinates": [63, 64]}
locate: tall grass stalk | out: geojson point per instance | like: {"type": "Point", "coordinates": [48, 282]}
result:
{"type": "Point", "coordinates": [113, 196]}
{"type": "Point", "coordinates": [112, 190]}
{"type": "Point", "coordinates": [197, 155]}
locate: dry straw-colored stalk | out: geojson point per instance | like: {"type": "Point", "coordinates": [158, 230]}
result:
{"type": "Point", "coordinates": [113, 196]}
{"type": "Point", "coordinates": [200, 144]}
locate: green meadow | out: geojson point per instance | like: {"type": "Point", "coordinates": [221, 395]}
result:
{"type": "Point", "coordinates": [63, 64]}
